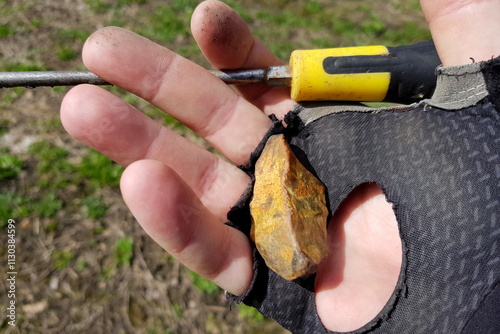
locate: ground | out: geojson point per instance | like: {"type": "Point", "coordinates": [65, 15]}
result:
{"type": "Point", "coordinates": [82, 263]}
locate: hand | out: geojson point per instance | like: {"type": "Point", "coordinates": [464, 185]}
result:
{"type": "Point", "coordinates": [181, 193]}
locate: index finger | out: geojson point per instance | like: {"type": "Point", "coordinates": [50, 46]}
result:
{"type": "Point", "coordinates": [181, 88]}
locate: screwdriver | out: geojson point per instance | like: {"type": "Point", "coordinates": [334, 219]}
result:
{"type": "Point", "coordinates": [401, 74]}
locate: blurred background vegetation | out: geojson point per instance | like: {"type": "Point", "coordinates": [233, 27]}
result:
{"type": "Point", "coordinates": [84, 265]}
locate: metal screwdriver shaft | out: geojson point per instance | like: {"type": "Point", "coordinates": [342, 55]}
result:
{"type": "Point", "coordinates": [48, 78]}
{"type": "Point", "coordinates": [273, 76]}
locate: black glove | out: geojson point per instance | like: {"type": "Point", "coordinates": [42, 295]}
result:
{"type": "Point", "coordinates": [438, 162]}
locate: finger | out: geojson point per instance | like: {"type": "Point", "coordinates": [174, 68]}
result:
{"type": "Point", "coordinates": [109, 125]}
{"type": "Point", "coordinates": [227, 42]}
{"type": "Point", "coordinates": [179, 87]}
{"type": "Point", "coordinates": [464, 30]}
{"type": "Point", "coordinates": [173, 216]}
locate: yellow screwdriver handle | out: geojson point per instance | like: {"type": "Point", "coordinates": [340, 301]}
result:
{"type": "Point", "coordinates": [366, 73]}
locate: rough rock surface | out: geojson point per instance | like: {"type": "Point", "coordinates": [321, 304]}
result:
{"type": "Point", "coordinates": [288, 211]}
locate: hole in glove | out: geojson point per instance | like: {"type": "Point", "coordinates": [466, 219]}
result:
{"type": "Point", "coordinates": [360, 273]}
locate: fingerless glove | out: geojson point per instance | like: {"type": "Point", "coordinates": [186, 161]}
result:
{"type": "Point", "coordinates": [438, 162]}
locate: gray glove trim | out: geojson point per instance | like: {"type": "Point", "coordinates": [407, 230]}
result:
{"type": "Point", "coordinates": [458, 87]}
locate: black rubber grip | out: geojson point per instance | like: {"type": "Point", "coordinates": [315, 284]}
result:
{"type": "Point", "coordinates": [412, 68]}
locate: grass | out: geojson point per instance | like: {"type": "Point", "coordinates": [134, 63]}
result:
{"type": "Point", "coordinates": [178, 309]}
{"type": "Point", "coordinates": [13, 205]}
{"type": "Point", "coordinates": [99, 170]}
{"type": "Point", "coordinates": [68, 43]}
{"type": "Point", "coordinates": [4, 126]}
{"type": "Point", "coordinates": [203, 285]}
{"type": "Point", "coordinates": [249, 313]}
{"type": "Point", "coordinates": [53, 168]}
{"type": "Point", "coordinates": [94, 207]}
{"type": "Point", "coordinates": [48, 206]}
{"type": "Point", "coordinates": [5, 31]}
{"type": "Point", "coordinates": [62, 258]}
{"type": "Point", "coordinates": [55, 174]}
{"type": "Point", "coordinates": [66, 54]}
{"type": "Point", "coordinates": [168, 23]}
{"type": "Point", "coordinates": [10, 166]}
{"type": "Point", "coordinates": [98, 6]}
{"type": "Point", "coordinates": [15, 66]}
{"type": "Point", "coordinates": [18, 206]}
{"type": "Point", "coordinates": [124, 251]}
{"type": "Point", "coordinates": [77, 34]}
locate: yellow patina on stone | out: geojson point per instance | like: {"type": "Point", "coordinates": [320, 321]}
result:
{"type": "Point", "coordinates": [288, 211]}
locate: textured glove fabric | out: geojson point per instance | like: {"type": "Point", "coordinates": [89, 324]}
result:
{"type": "Point", "coordinates": [438, 162]}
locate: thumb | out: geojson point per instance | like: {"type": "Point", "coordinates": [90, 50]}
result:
{"type": "Point", "coordinates": [464, 29]}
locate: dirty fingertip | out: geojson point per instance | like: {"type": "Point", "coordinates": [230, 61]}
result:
{"type": "Point", "coordinates": [217, 28]}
